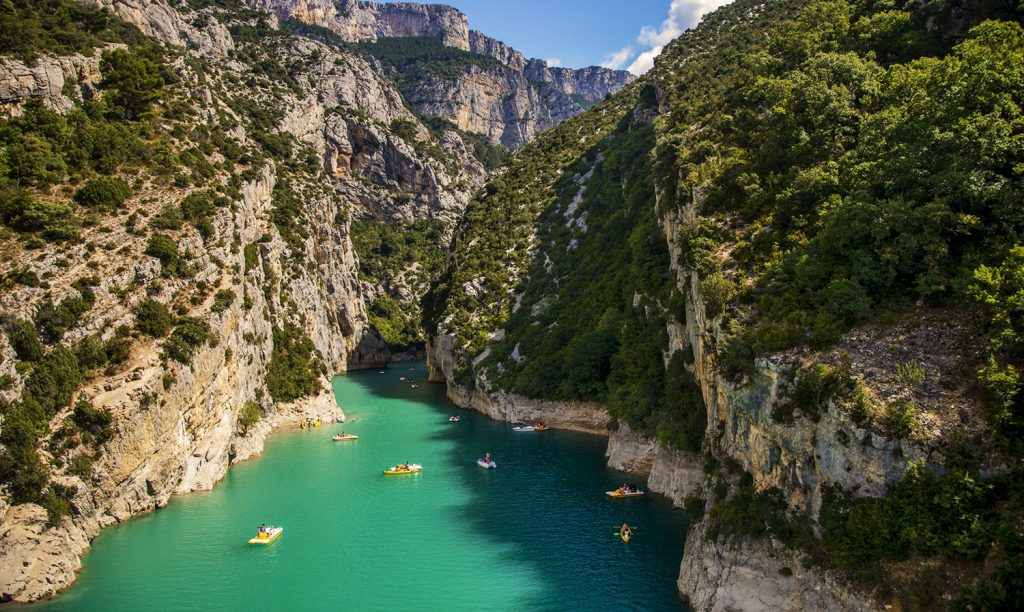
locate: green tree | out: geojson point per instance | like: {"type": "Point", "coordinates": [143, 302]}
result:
{"type": "Point", "coordinates": [134, 82]}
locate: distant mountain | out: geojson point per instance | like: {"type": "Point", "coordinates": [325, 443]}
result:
{"type": "Point", "coordinates": [446, 69]}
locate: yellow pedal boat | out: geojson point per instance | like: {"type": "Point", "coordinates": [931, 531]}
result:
{"type": "Point", "coordinates": [268, 536]}
{"type": "Point", "coordinates": [619, 493]}
{"type": "Point", "coordinates": [398, 470]}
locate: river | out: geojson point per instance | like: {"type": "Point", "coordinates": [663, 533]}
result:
{"type": "Point", "coordinates": [535, 533]}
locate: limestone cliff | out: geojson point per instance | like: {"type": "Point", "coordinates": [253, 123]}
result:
{"type": "Point", "coordinates": [510, 103]}
{"type": "Point", "coordinates": [325, 147]}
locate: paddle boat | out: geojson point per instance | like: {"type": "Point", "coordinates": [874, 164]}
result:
{"type": "Point", "coordinates": [454, 419]}
{"type": "Point", "coordinates": [624, 491]}
{"type": "Point", "coordinates": [344, 437]}
{"type": "Point", "coordinates": [266, 535]}
{"type": "Point", "coordinates": [403, 468]}
{"type": "Point", "coordinates": [522, 427]}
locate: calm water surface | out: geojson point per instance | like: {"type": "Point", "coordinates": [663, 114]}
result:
{"type": "Point", "coordinates": [535, 533]}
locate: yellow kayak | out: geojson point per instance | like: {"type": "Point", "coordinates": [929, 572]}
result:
{"type": "Point", "coordinates": [619, 493]}
{"type": "Point", "coordinates": [266, 537]}
{"type": "Point", "coordinates": [541, 427]}
{"type": "Point", "coordinates": [626, 534]}
{"type": "Point", "coordinates": [398, 470]}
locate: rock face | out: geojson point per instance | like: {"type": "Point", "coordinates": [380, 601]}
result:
{"type": "Point", "coordinates": [719, 574]}
{"type": "Point", "coordinates": [49, 80]}
{"type": "Point", "coordinates": [368, 21]}
{"type": "Point", "coordinates": [175, 425]}
{"type": "Point", "coordinates": [510, 103]}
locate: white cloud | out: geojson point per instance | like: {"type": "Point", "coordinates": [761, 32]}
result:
{"type": "Point", "coordinates": [682, 15]}
{"type": "Point", "coordinates": [617, 59]}
{"type": "Point", "coordinates": [553, 62]}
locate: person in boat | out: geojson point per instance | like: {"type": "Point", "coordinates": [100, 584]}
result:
{"type": "Point", "coordinates": [263, 528]}
{"type": "Point", "coordinates": [487, 458]}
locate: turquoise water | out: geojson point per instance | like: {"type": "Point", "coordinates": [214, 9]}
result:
{"type": "Point", "coordinates": [535, 533]}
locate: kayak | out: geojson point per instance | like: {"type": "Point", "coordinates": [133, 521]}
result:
{"type": "Point", "coordinates": [486, 464]}
{"type": "Point", "coordinates": [345, 437]}
{"type": "Point", "coordinates": [268, 536]}
{"type": "Point", "coordinates": [454, 419]}
{"type": "Point", "coordinates": [524, 428]}
{"type": "Point", "coordinates": [541, 427]}
{"type": "Point", "coordinates": [414, 468]}
{"type": "Point", "coordinates": [619, 493]}
{"type": "Point", "coordinates": [626, 534]}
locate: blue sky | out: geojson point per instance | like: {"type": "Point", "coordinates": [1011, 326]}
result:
{"type": "Point", "coordinates": [623, 34]}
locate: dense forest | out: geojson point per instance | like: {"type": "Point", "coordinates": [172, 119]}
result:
{"type": "Point", "coordinates": [859, 166]}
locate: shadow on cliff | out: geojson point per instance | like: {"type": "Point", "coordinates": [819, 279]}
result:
{"type": "Point", "coordinates": [545, 507]}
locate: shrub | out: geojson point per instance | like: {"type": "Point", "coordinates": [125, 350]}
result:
{"type": "Point", "coordinates": [166, 250]}
{"type": "Point", "coordinates": [53, 380]}
{"type": "Point", "coordinates": [104, 194]}
{"type": "Point", "coordinates": [910, 374]}
{"type": "Point", "coordinates": [153, 318]}
{"type": "Point", "coordinates": [717, 291]}
{"type": "Point", "coordinates": [22, 212]}
{"type": "Point", "coordinates": [94, 421]}
{"type": "Point", "coordinates": [252, 256]}
{"type": "Point", "coordinates": [222, 300]}
{"type": "Point", "coordinates": [189, 334]}
{"type": "Point", "coordinates": [815, 386]}
{"type": "Point", "coordinates": [81, 465]}
{"type": "Point", "coordinates": [134, 82]}
{"type": "Point", "coordinates": [248, 416]}
{"type": "Point", "coordinates": [901, 418]}
{"type": "Point", "coordinates": [296, 366]}
{"type": "Point", "coordinates": [24, 340]}
{"type": "Point", "coordinates": [53, 321]}
{"type": "Point", "coordinates": [861, 406]}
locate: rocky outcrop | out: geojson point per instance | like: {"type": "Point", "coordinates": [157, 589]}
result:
{"type": "Point", "coordinates": [510, 103]}
{"type": "Point", "coordinates": [56, 81]}
{"type": "Point", "coordinates": [492, 47]}
{"type": "Point", "coordinates": [630, 451]}
{"type": "Point", "coordinates": [368, 21]}
{"type": "Point", "coordinates": [155, 18]}
{"type": "Point", "coordinates": [673, 473]}
{"type": "Point", "coordinates": [719, 574]}
{"type": "Point", "coordinates": [591, 84]}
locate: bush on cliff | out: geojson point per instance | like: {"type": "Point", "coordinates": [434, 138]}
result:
{"type": "Point", "coordinates": [296, 367]}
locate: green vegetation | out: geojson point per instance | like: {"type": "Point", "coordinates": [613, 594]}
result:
{"type": "Point", "coordinates": [153, 318]}
{"type": "Point", "coordinates": [493, 242]}
{"type": "Point", "coordinates": [837, 170]}
{"type": "Point", "coordinates": [288, 216]}
{"type": "Point", "coordinates": [165, 249]}
{"type": "Point", "coordinates": [190, 333]}
{"type": "Point", "coordinates": [296, 368]}
{"type": "Point", "coordinates": [248, 416]}
{"type": "Point", "coordinates": [419, 58]}
{"type": "Point", "coordinates": [412, 254]}
{"type": "Point", "coordinates": [59, 27]}
{"type": "Point", "coordinates": [104, 194]}
{"type": "Point", "coordinates": [1001, 290]}
{"type": "Point", "coordinates": [393, 323]}
{"type": "Point", "coordinates": [222, 300]}
{"type": "Point", "coordinates": [53, 320]}
{"type": "Point", "coordinates": [491, 156]}
{"type": "Point", "coordinates": [910, 374]}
